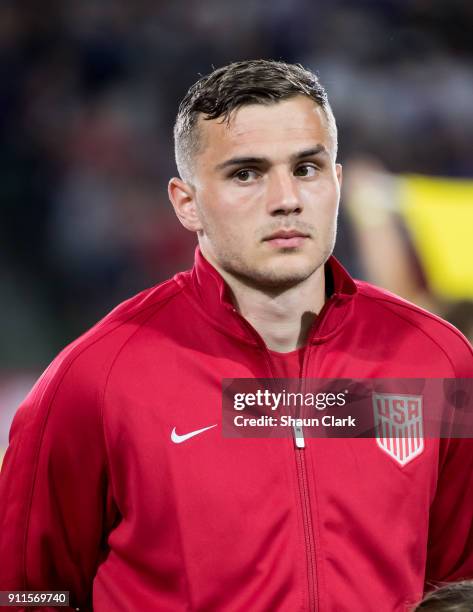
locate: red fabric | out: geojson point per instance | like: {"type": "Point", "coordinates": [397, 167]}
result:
{"type": "Point", "coordinates": [96, 498]}
{"type": "Point", "coordinates": [287, 365]}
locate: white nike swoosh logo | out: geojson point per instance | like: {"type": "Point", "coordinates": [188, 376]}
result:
{"type": "Point", "coordinates": [175, 437]}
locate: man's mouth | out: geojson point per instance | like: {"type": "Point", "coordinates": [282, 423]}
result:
{"type": "Point", "coordinates": [286, 239]}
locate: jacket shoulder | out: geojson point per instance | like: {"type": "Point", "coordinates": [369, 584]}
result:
{"type": "Point", "coordinates": [442, 334]}
{"type": "Point", "coordinates": [146, 302]}
{"type": "Point", "coordinates": [87, 361]}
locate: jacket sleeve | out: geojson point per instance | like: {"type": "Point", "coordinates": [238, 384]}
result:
{"type": "Point", "coordinates": [56, 506]}
{"type": "Point", "coordinates": [450, 547]}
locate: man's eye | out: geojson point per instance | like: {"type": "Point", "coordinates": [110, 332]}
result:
{"type": "Point", "coordinates": [245, 176]}
{"type": "Point", "coordinates": [305, 170]}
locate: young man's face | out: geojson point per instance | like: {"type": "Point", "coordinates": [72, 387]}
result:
{"type": "Point", "coordinates": [266, 190]}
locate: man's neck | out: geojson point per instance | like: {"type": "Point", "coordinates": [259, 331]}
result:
{"type": "Point", "coordinates": [283, 319]}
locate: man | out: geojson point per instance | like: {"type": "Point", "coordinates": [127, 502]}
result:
{"type": "Point", "coordinates": [118, 485]}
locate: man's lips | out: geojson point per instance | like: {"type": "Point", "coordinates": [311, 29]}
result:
{"type": "Point", "coordinates": [286, 238]}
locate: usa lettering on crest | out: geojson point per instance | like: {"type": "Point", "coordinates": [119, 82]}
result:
{"type": "Point", "coordinates": [399, 425]}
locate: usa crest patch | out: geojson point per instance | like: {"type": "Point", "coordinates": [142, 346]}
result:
{"type": "Point", "coordinates": [399, 425]}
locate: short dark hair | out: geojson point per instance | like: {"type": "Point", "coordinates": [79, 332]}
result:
{"type": "Point", "coordinates": [228, 88]}
{"type": "Point", "coordinates": [454, 597]}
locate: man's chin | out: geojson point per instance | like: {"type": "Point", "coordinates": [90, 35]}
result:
{"type": "Point", "coordinates": [278, 272]}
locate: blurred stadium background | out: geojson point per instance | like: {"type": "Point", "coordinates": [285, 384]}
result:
{"type": "Point", "coordinates": [88, 94]}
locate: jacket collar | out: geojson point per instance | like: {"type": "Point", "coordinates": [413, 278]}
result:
{"type": "Point", "coordinates": [214, 298]}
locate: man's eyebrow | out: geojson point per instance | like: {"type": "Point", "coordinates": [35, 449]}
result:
{"type": "Point", "coordinates": [317, 150]}
{"type": "Point", "coordinates": [241, 161]}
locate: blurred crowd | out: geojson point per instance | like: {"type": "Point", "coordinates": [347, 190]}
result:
{"type": "Point", "coordinates": [89, 92]}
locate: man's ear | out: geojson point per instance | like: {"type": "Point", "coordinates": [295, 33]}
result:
{"type": "Point", "coordinates": [339, 173]}
{"type": "Point", "coordinates": [182, 198]}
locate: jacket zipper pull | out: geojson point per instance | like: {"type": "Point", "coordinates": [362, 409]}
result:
{"type": "Point", "coordinates": [299, 436]}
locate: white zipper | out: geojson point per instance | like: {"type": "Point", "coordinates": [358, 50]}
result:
{"type": "Point", "coordinates": [299, 436]}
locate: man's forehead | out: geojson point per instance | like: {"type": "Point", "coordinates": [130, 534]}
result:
{"type": "Point", "coordinates": [298, 118]}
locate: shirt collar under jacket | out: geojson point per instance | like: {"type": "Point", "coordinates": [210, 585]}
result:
{"type": "Point", "coordinates": [214, 299]}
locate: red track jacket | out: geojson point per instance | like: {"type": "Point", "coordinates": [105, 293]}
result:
{"type": "Point", "coordinates": [97, 499]}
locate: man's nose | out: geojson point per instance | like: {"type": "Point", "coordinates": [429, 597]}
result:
{"type": "Point", "coordinates": [283, 196]}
